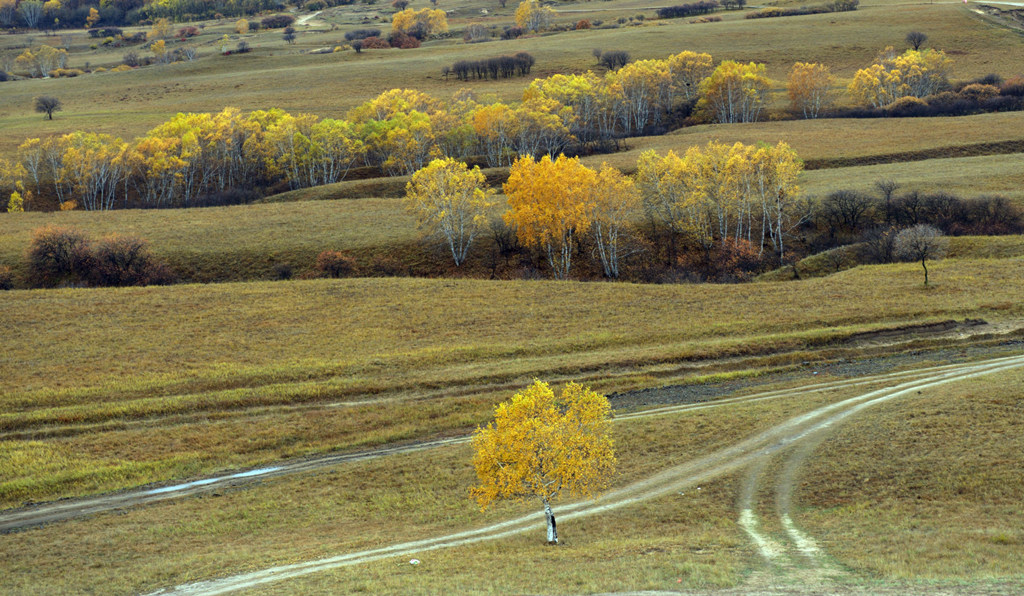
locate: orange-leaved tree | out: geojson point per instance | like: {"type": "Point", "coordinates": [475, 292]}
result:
{"type": "Point", "coordinates": [549, 203]}
{"type": "Point", "coordinates": [540, 446]}
{"type": "Point", "coordinates": [451, 201]}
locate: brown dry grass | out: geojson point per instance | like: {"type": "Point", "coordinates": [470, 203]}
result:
{"type": "Point", "coordinates": [370, 504]}
{"type": "Point", "coordinates": [925, 488]}
{"type": "Point", "coordinates": [142, 384]}
{"type": "Point", "coordinates": [242, 242]}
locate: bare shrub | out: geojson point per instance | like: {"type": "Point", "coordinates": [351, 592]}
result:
{"type": "Point", "coordinates": [279, 21]}
{"type": "Point", "coordinates": [120, 260]}
{"type": "Point", "coordinates": [475, 32]}
{"type": "Point", "coordinates": [6, 278]}
{"type": "Point", "coordinates": [614, 59]}
{"type": "Point", "coordinates": [361, 34]}
{"type": "Point", "coordinates": [879, 246]}
{"type": "Point", "coordinates": [58, 256]}
{"type": "Point", "coordinates": [920, 243]}
{"type": "Point", "coordinates": [332, 263]}
{"type": "Point", "coordinates": [915, 39]}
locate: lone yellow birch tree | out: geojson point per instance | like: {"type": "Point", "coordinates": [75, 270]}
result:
{"type": "Point", "coordinates": [539, 447]}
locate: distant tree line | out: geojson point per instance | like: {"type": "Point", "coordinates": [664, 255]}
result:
{"type": "Point", "coordinates": [502, 67]}
{"type": "Point", "coordinates": [873, 219]}
{"type": "Point", "coordinates": [834, 6]}
{"type": "Point", "coordinates": [78, 14]}
{"type": "Point", "coordinates": [681, 11]}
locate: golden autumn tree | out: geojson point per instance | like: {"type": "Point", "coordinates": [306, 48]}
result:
{"type": "Point", "coordinates": [540, 446]}
{"type": "Point", "coordinates": [549, 203]}
{"type": "Point", "coordinates": [914, 73]}
{"type": "Point", "coordinates": [640, 92]}
{"type": "Point", "coordinates": [774, 172]}
{"type": "Point", "coordinates": [664, 184]}
{"type": "Point", "coordinates": [810, 88]}
{"type": "Point", "coordinates": [16, 204]}
{"type": "Point", "coordinates": [530, 15]}
{"type": "Point", "coordinates": [688, 69]}
{"type": "Point", "coordinates": [93, 18]}
{"type": "Point", "coordinates": [451, 201]}
{"type": "Point", "coordinates": [735, 92]}
{"type": "Point", "coordinates": [161, 29]}
{"type": "Point", "coordinates": [428, 21]}
{"type": "Point", "coordinates": [615, 203]}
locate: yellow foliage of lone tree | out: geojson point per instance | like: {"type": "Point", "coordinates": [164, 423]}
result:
{"type": "Point", "coordinates": [450, 199]}
{"type": "Point", "coordinates": [540, 447]}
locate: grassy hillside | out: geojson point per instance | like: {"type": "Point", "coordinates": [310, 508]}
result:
{"type": "Point", "coordinates": [279, 75]}
{"type": "Point", "coordinates": [925, 489]}
{"type": "Point", "coordinates": [688, 540]}
{"type": "Point", "coordinates": [242, 242]}
{"type": "Point", "coordinates": [177, 380]}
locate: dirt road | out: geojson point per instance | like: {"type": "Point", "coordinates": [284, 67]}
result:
{"type": "Point", "coordinates": [36, 515]}
{"type": "Point", "coordinates": [800, 431]}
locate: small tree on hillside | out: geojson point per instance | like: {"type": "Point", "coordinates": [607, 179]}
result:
{"type": "Point", "coordinates": [810, 88]}
{"type": "Point", "coordinates": [48, 104]}
{"type": "Point", "coordinates": [920, 243]}
{"type": "Point", "coordinates": [450, 200]}
{"type": "Point", "coordinates": [916, 39]}
{"type": "Point", "coordinates": [539, 447]}
{"type": "Point", "coordinates": [531, 16]}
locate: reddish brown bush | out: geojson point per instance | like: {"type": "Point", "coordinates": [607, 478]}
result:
{"type": "Point", "coordinates": [331, 263]}
{"type": "Point", "coordinates": [402, 41]}
{"type": "Point", "coordinates": [583, 24]}
{"type": "Point", "coordinates": [1013, 86]}
{"type": "Point", "coordinates": [58, 256]}
{"type": "Point", "coordinates": [375, 43]}
{"type": "Point", "coordinates": [126, 261]}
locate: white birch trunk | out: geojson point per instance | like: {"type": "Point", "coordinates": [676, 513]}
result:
{"type": "Point", "coordinates": [552, 531]}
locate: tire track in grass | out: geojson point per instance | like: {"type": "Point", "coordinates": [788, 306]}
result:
{"type": "Point", "coordinates": [749, 451]}
{"type": "Point", "coordinates": [36, 515]}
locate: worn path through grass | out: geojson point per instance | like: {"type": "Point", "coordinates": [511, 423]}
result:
{"type": "Point", "coordinates": [673, 479]}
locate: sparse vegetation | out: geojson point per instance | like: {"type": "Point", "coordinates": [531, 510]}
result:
{"type": "Point", "coordinates": [327, 347]}
{"type": "Point", "coordinates": [48, 104]}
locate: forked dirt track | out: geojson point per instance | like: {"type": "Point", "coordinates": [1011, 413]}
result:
{"type": "Point", "coordinates": [26, 517]}
{"type": "Point", "coordinates": [799, 432]}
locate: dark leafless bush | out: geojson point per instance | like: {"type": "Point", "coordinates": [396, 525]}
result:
{"type": "Point", "coordinates": [126, 261]}
{"type": "Point", "coordinates": [58, 256]}
{"type": "Point", "coordinates": [361, 34]}
{"type": "Point", "coordinates": [614, 59]}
